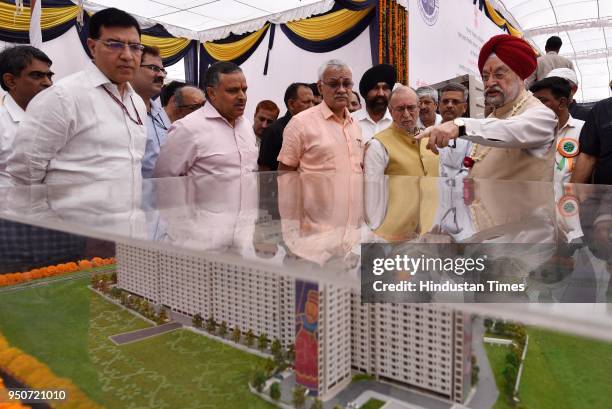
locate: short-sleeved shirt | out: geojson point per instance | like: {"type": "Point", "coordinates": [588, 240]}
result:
{"type": "Point", "coordinates": [316, 140]}
{"type": "Point", "coordinates": [596, 140]}
{"type": "Point", "coordinates": [272, 141]}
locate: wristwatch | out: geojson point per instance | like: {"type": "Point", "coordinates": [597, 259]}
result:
{"type": "Point", "coordinates": [461, 125]}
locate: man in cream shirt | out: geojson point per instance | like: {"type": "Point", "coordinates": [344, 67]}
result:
{"type": "Point", "coordinates": [88, 126]}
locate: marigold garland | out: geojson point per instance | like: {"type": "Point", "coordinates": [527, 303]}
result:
{"type": "Point", "coordinates": [50, 271]}
{"type": "Point", "coordinates": [36, 375]}
{"type": "Point", "coordinates": [392, 37]}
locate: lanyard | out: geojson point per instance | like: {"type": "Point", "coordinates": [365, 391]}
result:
{"type": "Point", "coordinates": [138, 121]}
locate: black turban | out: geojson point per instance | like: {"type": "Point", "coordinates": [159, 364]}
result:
{"type": "Point", "coordinates": [378, 73]}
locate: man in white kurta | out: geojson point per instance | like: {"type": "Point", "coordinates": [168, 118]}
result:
{"type": "Point", "coordinates": [24, 72]}
{"type": "Point", "coordinates": [515, 142]}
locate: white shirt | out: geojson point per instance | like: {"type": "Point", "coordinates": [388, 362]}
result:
{"type": "Point", "coordinates": [533, 131]}
{"type": "Point", "coordinates": [565, 166]}
{"type": "Point", "coordinates": [451, 159]}
{"type": "Point", "coordinates": [437, 122]}
{"type": "Point", "coordinates": [10, 116]}
{"type": "Point", "coordinates": [75, 131]}
{"type": "Point", "coordinates": [369, 128]}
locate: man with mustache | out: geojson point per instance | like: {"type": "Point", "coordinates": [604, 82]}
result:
{"type": "Point", "coordinates": [217, 138]}
{"type": "Point", "coordinates": [89, 125]}
{"type": "Point", "coordinates": [148, 81]}
{"type": "Point", "coordinates": [375, 88]}
{"type": "Point", "coordinates": [428, 105]}
{"type": "Point", "coordinates": [515, 141]}
{"type": "Point", "coordinates": [453, 105]}
{"type": "Point", "coordinates": [395, 151]}
{"type": "Point", "coordinates": [325, 138]}
{"type": "Point", "coordinates": [24, 72]}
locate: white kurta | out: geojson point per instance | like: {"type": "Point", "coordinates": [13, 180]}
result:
{"type": "Point", "coordinates": [369, 128]}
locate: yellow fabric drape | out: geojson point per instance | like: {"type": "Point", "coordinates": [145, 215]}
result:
{"type": "Point", "coordinates": [500, 21]}
{"type": "Point", "coordinates": [167, 46]}
{"type": "Point", "coordinates": [231, 51]}
{"type": "Point", "coordinates": [327, 26]}
{"type": "Point", "coordinates": [51, 17]}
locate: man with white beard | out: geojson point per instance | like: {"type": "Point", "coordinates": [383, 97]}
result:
{"type": "Point", "coordinates": [515, 142]}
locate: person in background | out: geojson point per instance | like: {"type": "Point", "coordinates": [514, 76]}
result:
{"type": "Point", "coordinates": [395, 151]}
{"type": "Point", "coordinates": [266, 112]}
{"type": "Point", "coordinates": [148, 81]}
{"type": "Point", "coordinates": [375, 88]}
{"type": "Point", "coordinates": [24, 72]}
{"type": "Point", "coordinates": [594, 163]}
{"type": "Point", "coordinates": [217, 138]}
{"type": "Point", "coordinates": [298, 98]}
{"type": "Point", "coordinates": [428, 105]}
{"type": "Point", "coordinates": [167, 91]}
{"type": "Point", "coordinates": [325, 137]}
{"type": "Point", "coordinates": [453, 105]}
{"type": "Point", "coordinates": [186, 100]}
{"type": "Point", "coordinates": [90, 125]}
{"type": "Point", "coordinates": [555, 93]}
{"type": "Point", "coordinates": [576, 110]}
{"type": "Point", "coordinates": [355, 102]}
{"type": "Point", "coordinates": [549, 61]}
{"type": "Point", "coordinates": [315, 92]}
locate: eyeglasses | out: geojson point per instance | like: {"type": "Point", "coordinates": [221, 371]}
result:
{"type": "Point", "coordinates": [39, 75]}
{"type": "Point", "coordinates": [155, 68]}
{"type": "Point", "coordinates": [498, 75]}
{"type": "Point", "coordinates": [338, 84]}
{"type": "Point", "coordinates": [119, 46]}
{"type": "Point", "coordinates": [191, 107]}
{"type": "Point", "coordinates": [410, 108]}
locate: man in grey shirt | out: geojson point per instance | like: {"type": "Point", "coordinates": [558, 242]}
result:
{"type": "Point", "coordinates": [550, 61]}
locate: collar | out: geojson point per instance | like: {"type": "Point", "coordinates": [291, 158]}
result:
{"type": "Point", "coordinates": [571, 123]}
{"type": "Point", "coordinates": [363, 114]}
{"type": "Point", "coordinates": [14, 110]}
{"type": "Point", "coordinates": [551, 52]}
{"type": "Point", "coordinates": [98, 78]}
{"type": "Point", "coordinates": [328, 113]}
{"type": "Point", "coordinates": [210, 111]}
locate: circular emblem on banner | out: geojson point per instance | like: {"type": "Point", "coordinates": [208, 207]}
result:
{"type": "Point", "coordinates": [568, 147]}
{"type": "Point", "coordinates": [429, 10]}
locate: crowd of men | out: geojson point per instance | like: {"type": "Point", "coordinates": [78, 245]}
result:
{"type": "Point", "coordinates": [116, 118]}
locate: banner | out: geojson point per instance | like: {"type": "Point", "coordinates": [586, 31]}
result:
{"type": "Point", "coordinates": [445, 38]}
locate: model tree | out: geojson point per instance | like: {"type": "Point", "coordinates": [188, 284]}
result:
{"type": "Point", "coordinates": [250, 338]}
{"type": "Point", "coordinates": [275, 391]}
{"type": "Point", "coordinates": [299, 397]}
{"type": "Point", "coordinates": [236, 334]}
{"type": "Point", "coordinates": [197, 321]}
{"type": "Point", "coordinates": [262, 341]}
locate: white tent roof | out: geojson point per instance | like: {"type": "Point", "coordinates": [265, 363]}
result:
{"type": "Point", "coordinates": [208, 20]}
{"type": "Point", "coordinates": [584, 26]}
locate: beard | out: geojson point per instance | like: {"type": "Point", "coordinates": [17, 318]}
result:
{"type": "Point", "coordinates": [378, 104]}
{"type": "Point", "coordinates": [502, 97]}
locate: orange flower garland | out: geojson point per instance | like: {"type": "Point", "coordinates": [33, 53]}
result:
{"type": "Point", "coordinates": [50, 271]}
{"type": "Point", "coordinates": [392, 37]}
{"type": "Point", "coordinates": [36, 375]}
